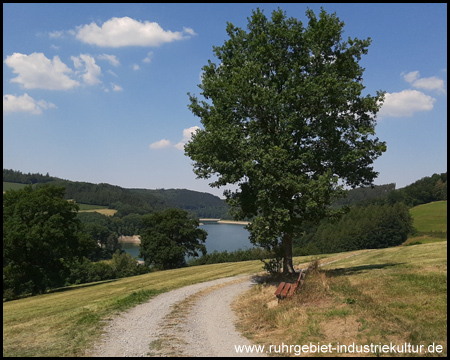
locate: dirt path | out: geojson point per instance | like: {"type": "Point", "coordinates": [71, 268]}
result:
{"type": "Point", "coordinates": [195, 320]}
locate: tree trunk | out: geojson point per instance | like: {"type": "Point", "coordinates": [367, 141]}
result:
{"type": "Point", "coordinates": [288, 267]}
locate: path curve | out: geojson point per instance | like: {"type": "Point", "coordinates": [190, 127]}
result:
{"type": "Point", "coordinates": [208, 329]}
{"type": "Point", "coordinates": [167, 325]}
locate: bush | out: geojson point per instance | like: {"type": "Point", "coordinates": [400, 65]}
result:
{"type": "Point", "coordinates": [121, 265]}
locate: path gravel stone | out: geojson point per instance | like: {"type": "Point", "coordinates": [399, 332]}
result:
{"type": "Point", "coordinates": [207, 329]}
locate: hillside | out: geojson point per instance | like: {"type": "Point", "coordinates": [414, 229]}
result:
{"type": "Point", "coordinates": [203, 205]}
{"type": "Point", "coordinates": [430, 217]}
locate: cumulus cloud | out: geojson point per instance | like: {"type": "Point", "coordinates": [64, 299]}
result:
{"type": "Point", "coordinates": [125, 31]}
{"type": "Point", "coordinates": [24, 103]}
{"type": "Point", "coordinates": [163, 143]}
{"type": "Point", "coordinates": [91, 70]}
{"type": "Point", "coordinates": [35, 71]}
{"type": "Point", "coordinates": [431, 83]}
{"type": "Point", "coordinates": [406, 103]}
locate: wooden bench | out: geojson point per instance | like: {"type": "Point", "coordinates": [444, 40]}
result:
{"type": "Point", "coordinates": [287, 289]}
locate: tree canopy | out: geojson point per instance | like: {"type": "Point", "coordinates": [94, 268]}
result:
{"type": "Point", "coordinates": [169, 236]}
{"type": "Point", "coordinates": [41, 237]}
{"type": "Point", "coordinates": [285, 120]}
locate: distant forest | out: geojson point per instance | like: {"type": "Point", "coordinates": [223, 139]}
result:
{"type": "Point", "coordinates": [205, 205]}
{"type": "Point", "coordinates": [129, 201]}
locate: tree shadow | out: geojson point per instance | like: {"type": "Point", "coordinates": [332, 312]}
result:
{"type": "Point", "coordinates": [81, 286]}
{"type": "Point", "coordinates": [268, 279]}
{"type": "Point", "coordinates": [356, 269]}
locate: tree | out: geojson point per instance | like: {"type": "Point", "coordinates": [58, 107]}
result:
{"type": "Point", "coordinates": [284, 120]}
{"type": "Point", "coordinates": [168, 237]}
{"type": "Point", "coordinates": [41, 237]}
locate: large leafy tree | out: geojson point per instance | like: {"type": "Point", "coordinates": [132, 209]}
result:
{"type": "Point", "coordinates": [169, 236]}
{"type": "Point", "coordinates": [284, 119]}
{"type": "Point", "coordinates": [41, 237]}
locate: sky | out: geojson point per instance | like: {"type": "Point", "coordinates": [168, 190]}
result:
{"type": "Point", "coordinates": [98, 92]}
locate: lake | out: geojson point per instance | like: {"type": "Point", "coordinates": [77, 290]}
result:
{"type": "Point", "coordinates": [221, 237]}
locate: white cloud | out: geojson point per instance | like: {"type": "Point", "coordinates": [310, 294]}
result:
{"type": "Point", "coordinates": [91, 71]}
{"type": "Point", "coordinates": [189, 31]}
{"type": "Point", "coordinates": [136, 67]}
{"type": "Point", "coordinates": [163, 143]}
{"type": "Point", "coordinates": [24, 103]}
{"type": "Point", "coordinates": [116, 87]}
{"type": "Point", "coordinates": [431, 83]}
{"type": "Point", "coordinates": [111, 58]}
{"type": "Point", "coordinates": [405, 103]}
{"type": "Point", "coordinates": [119, 32]}
{"type": "Point", "coordinates": [411, 76]}
{"type": "Point", "coordinates": [187, 134]}
{"type": "Point", "coordinates": [35, 71]}
{"type": "Point", "coordinates": [55, 34]}
{"type": "Point", "coordinates": [148, 58]}
{"type": "Point", "coordinates": [112, 73]}
{"type": "Point", "coordinates": [179, 146]}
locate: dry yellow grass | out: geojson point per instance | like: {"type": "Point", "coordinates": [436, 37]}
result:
{"type": "Point", "coordinates": [107, 212]}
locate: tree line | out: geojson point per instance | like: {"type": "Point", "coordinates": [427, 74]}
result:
{"type": "Point", "coordinates": [129, 201]}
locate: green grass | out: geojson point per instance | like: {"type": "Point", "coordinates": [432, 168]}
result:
{"type": "Point", "coordinates": [12, 186]}
{"type": "Point", "coordinates": [430, 217]}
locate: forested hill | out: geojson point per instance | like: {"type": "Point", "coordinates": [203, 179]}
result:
{"type": "Point", "coordinates": [127, 201]}
{"type": "Point", "coordinates": [205, 205]}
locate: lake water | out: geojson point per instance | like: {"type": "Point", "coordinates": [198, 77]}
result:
{"type": "Point", "coordinates": [221, 237]}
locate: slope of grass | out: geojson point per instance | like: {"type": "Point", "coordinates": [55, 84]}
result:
{"type": "Point", "coordinates": [396, 295]}
{"type": "Point", "coordinates": [12, 186]}
{"type": "Point", "coordinates": [430, 217]}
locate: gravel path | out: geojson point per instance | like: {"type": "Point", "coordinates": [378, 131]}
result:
{"type": "Point", "coordinates": [195, 320]}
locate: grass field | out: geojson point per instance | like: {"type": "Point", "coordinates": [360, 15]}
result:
{"type": "Point", "coordinates": [12, 186]}
{"type": "Point", "coordinates": [430, 217]}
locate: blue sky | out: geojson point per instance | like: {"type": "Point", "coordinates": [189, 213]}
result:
{"type": "Point", "coordinates": [98, 92]}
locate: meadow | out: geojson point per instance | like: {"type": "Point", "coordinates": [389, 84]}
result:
{"type": "Point", "coordinates": [430, 217]}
